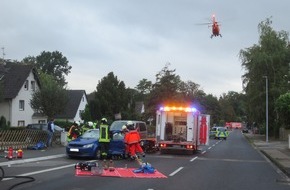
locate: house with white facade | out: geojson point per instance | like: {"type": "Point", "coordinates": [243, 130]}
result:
{"type": "Point", "coordinates": [18, 83]}
{"type": "Point", "coordinates": [77, 101]}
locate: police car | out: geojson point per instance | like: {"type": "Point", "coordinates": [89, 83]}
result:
{"type": "Point", "coordinates": [221, 133]}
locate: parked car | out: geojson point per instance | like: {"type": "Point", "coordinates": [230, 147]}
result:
{"type": "Point", "coordinates": [148, 144]}
{"type": "Point", "coordinates": [43, 127]}
{"type": "Point", "coordinates": [212, 132]}
{"type": "Point", "coordinates": [87, 145]}
{"type": "Point", "coordinates": [245, 130]}
{"type": "Point", "coordinates": [139, 125]}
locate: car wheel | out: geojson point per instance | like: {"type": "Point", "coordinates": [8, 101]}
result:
{"type": "Point", "coordinates": [98, 154]}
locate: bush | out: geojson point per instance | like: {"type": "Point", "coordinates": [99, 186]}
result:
{"type": "Point", "coordinates": [3, 124]}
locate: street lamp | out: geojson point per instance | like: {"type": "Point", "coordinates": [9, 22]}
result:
{"type": "Point", "coordinates": [266, 77]}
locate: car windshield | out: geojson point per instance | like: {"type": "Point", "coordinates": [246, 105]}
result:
{"type": "Point", "coordinates": [222, 129]}
{"type": "Point", "coordinates": [117, 125]}
{"type": "Point", "coordinates": [91, 134]}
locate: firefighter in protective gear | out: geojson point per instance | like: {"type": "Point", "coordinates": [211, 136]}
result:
{"type": "Point", "coordinates": [125, 131]}
{"type": "Point", "coordinates": [88, 126]}
{"type": "Point", "coordinates": [74, 131]}
{"type": "Point", "coordinates": [93, 125]}
{"type": "Point", "coordinates": [133, 140]}
{"type": "Point", "coordinates": [104, 139]}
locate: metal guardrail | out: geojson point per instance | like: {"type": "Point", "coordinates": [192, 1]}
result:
{"type": "Point", "coordinates": [25, 138]}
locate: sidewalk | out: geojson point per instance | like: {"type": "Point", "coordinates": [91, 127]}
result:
{"type": "Point", "coordinates": [276, 150]}
{"type": "Point", "coordinates": [28, 155]}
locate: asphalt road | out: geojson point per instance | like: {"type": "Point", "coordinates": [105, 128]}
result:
{"type": "Point", "coordinates": [225, 164]}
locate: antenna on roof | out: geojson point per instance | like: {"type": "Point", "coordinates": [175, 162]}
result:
{"type": "Point", "coordinates": [3, 52]}
{"type": "Point", "coordinates": [3, 55]}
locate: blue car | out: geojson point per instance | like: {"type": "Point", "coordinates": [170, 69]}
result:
{"type": "Point", "coordinates": [87, 145]}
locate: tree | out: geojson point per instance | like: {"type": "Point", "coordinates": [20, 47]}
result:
{"type": "Point", "coordinates": [144, 86]}
{"type": "Point", "coordinates": [52, 63]}
{"type": "Point", "coordinates": [228, 112]}
{"type": "Point", "coordinates": [4, 124]}
{"type": "Point", "coordinates": [166, 88]}
{"type": "Point", "coordinates": [164, 91]}
{"type": "Point", "coordinates": [51, 98]}
{"type": "Point", "coordinates": [232, 106]}
{"type": "Point", "coordinates": [270, 57]}
{"type": "Point", "coordinates": [111, 97]}
{"type": "Point", "coordinates": [86, 115]}
{"type": "Point", "coordinates": [282, 106]}
{"type": "Point", "coordinates": [212, 107]}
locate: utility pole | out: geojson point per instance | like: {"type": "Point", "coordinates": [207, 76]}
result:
{"type": "Point", "coordinates": [266, 77]}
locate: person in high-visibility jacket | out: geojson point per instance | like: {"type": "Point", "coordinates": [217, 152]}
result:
{"type": "Point", "coordinates": [133, 140]}
{"type": "Point", "coordinates": [74, 131]}
{"type": "Point", "coordinates": [95, 125]}
{"type": "Point", "coordinates": [88, 126]}
{"type": "Point", "coordinates": [104, 138]}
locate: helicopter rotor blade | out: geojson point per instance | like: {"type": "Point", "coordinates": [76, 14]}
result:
{"type": "Point", "coordinates": [204, 23]}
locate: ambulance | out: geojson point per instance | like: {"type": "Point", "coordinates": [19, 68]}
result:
{"type": "Point", "coordinates": [181, 130]}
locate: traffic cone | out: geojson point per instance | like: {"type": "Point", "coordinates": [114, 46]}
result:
{"type": "Point", "coordinates": [10, 153]}
{"type": "Point", "coordinates": [19, 153]}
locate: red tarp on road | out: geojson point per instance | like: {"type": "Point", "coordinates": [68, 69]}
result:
{"type": "Point", "coordinates": [120, 172]}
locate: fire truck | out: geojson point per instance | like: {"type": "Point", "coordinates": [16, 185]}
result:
{"type": "Point", "coordinates": [180, 130]}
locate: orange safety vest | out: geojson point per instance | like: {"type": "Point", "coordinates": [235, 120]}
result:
{"type": "Point", "coordinates": [132, 137]}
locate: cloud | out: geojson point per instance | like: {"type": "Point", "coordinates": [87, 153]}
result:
{"type": "Point", "coordinates": [135, 39]}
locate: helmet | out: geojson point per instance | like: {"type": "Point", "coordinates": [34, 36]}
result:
{"type": "Point", "coordinates": [124, 127]}
{"type": "Point", "coordinates": [104, 120]}
{"type": "Point", "coordinates": [90, 123]}
{"type": "Point", "coordinates": [130, 125]}
{"type": "Point", "coordinates": [77, 123]}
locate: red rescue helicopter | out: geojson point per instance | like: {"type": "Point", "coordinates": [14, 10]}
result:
{"type": "Point", "coordinates": [215, 27]}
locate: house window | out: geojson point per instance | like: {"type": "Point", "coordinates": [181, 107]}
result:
{"type": "Point", "coordinates": [41, 121]}
{"type": "Point", "coordinates": [33, 85]}
{"type": "Point", "coordinates": [83, 99]}
{"type": "Point", "coordinates": [21, 105]}
{"type": "Point", "coordinates": [26, 85]}
{"type": "Point", "coordinates": [21, 123]}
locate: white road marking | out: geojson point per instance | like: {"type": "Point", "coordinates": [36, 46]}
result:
{"type": "Point", "coordinates": [193, 159]}
{"type": "Point", "coordinates": [176, 171]}
{"type": "Point", "coordinates": [203, 152]}
{"type": "Point", "coordinates": [209, 148]}
{"type": "Point", "coordinates": [41, 171]}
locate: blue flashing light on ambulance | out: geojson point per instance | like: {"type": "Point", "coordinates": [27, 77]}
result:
{"type": "Point", "coordinates": [180, 130]}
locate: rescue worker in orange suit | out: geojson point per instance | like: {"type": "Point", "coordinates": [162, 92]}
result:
{"type": "Point", "coordinates": [104, 139]}
{"type": "Point", "coordinates": [133, 140]}
{"type": "Point", "coordinates": [125, 131]}
{"type": "Point", "coordinates": [74, 131]}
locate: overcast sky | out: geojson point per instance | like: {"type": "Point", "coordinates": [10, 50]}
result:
{"type": "Point", "coordinates": [135, 39]}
